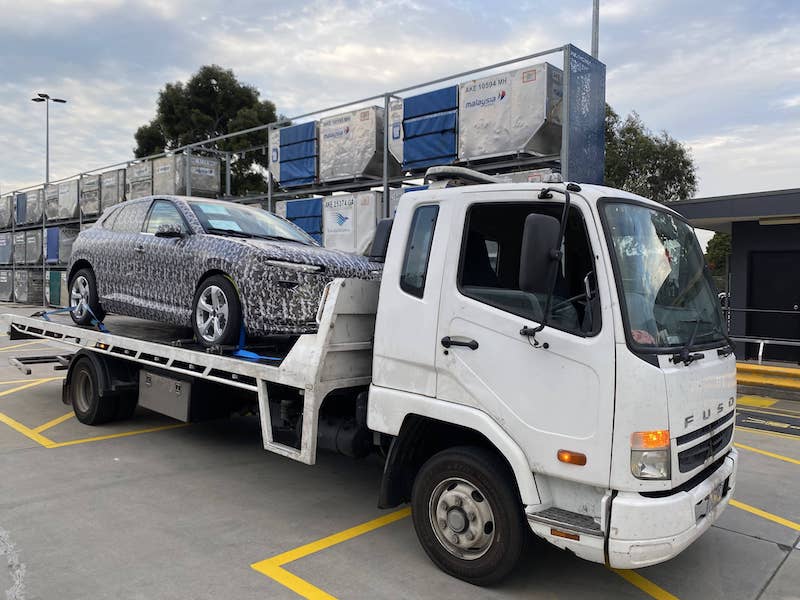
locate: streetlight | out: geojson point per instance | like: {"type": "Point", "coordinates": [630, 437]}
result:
{"type": "Point", "coordinates": [47, 99]}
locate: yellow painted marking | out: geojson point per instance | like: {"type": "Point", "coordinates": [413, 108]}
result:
{"type": "Point", "coordinates": [11, 381]}
{"type": "Point", "coordinates": [785, 436]}
{"type": "Point", "coordinates": [116, 435]}
{"type": "Point", "coordinates": [26, 431]}
{"type": "Point", "coordinates": [54, 422]}
{"type": "Point", "coordinates": [644, 584]}
{"type": "Point", "coordinates": [770, 454]}
{"type": "Point", "coordinates": [765, 515]}
{"type": "Point", "coordinates": [775, 412]}
{"type": "Point", "coordinates": [755, 401]}
{"type": "Point", "coordinates": [30, 383]}
{"type": "Point", "coordinates": [272, 567]}
{"type": "Point", "coordinates": [7, 348]}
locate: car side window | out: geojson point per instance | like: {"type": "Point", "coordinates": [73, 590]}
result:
{"type": "Point", "coordinates": [130, 218]}
{"type": "Point", "coordinates": [164, 212]}
{"type": "Point", "coordinates": [490, 263]}
{"type": "Point", "coordinates": [418, 250]}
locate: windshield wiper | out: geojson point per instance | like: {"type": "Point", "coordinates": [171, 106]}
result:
{"type": "Point", "coordinates": [685, 356]}
{"type": "Point", "coordinates": [264, 236]}
{"type": "Point", "coordinates": [231, 232]}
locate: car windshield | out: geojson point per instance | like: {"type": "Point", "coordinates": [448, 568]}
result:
{"type": "Point", "coordinates": [669, 297]}
{"type": "Point", "coordinates": [243, 221]}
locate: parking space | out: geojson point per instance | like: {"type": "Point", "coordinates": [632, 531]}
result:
{"type": "Point", "coordinates": [151, 508]}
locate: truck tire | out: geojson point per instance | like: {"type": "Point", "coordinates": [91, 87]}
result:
{"type": "Point", "coordinates": [84, 394]}
{"type": "Point", "coordinates": [468, 515]}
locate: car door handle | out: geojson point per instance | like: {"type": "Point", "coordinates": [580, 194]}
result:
{"type": "Point", "coordinates": [139, 249]}
{"type": "Point", "coordinates": [447, 341]}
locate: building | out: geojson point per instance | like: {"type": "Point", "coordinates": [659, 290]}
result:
{"type": "Point", "coordinates": [764, 266]}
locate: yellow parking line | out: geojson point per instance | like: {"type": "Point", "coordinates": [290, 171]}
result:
{"type": "Point", "coordinates": [30, 383]}
{"type": "Point", "coordinates": [7, 348]}
{"type": "Point", "coordinates": [112, 436]}
{"type": "Point", "coordinates": [756, 401]}
{"type": "Point", "coordinates": [54, 422]}
{"type": "Point", "coordinates": [272, 567]}
{"type": "Point", "coordinates": [26, 431]}
{"type": "Point", "coordinates": [785, 436]}
{"type": "Point", "coordinates": [10, 381]}
{"type": "Point", "coordinates": [765, 515]}
{"type": "Point", "coordinates": [644, 584]}
{"type": "Point", "coordinates": [770, 454]}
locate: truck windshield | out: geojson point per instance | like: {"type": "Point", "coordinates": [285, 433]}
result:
{"type": "Point", "coordinates": [243, 221]}
{"type": "Point", "coordinates": [669, 298]}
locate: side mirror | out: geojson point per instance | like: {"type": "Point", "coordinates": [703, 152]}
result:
{"type": "Point", "coordinates": [539, 241]}
{"type": "Point", "coordinates": [169, 230]}
{"type": "Point", "coordinates": [380, 243]}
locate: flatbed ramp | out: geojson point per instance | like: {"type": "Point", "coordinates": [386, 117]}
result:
{"type": "Point", "coordinates": [338, 356]}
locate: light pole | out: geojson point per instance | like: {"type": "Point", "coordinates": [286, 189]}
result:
{"type": "Point", "coordinates": [47, 100]}
{"type": "Point", "coordinates": [595, 28]}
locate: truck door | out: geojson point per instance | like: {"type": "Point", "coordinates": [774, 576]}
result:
{"type": "Point", "coordinates": [551, 393]}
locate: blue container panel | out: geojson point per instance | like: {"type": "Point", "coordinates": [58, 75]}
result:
{"type": "Point", "coordinates": [293, 170]}
{"type": "Point", "coordinates": [317, 237]}
{"type": "Point", "coordinates": [309, 207]}
{"type": "Point", "coordinates": [299, 150]}
{"type": "Point", "coordinates": [298, 133]}
{"type": "Point", "coordinates": [52, 244]}
{"type": "Point", "coordinates": [309, 224]}
{"type": "Point", "coordinates": [427, 150]}
{"type": "Point", "coordinates": [427, 125]}
{"type": "Point", "coordinates": [431, 102]}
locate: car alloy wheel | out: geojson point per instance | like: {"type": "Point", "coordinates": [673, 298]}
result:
{"type": "Point", "coordinates": [211, 314]}
{"type": "Point", "coordinates": [79, 297]}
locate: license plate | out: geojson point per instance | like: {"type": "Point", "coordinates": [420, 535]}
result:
{"type": "Point", "coordinates": [710, 502]}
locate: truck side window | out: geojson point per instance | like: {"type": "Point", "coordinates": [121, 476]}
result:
{"type": "Point", "coordinates": [415, 263]}
{"type": "Point", "coordinates": [490, 260]}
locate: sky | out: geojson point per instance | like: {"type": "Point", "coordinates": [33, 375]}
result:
{"type": "Point", "coordinates": [721, 76]}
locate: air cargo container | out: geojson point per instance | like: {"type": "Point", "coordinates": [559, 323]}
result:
{"type": "Point", "coordinates": [112, 188]}
{"type": "Point", "coordinates": [56, 290]}
{"type": "Point", "coordinates": [51, 202]}
{"type": "Point", "coordinates": [430, 129]}
{"type": "Point", "coordinates": [139, 180]}
{"type": "Point", "coordinates": [29, 207]}
{"type": "Point", "coordinates": [294, 154]}
{"type": "Point", "coordinates": [6, 285]}
{"type": "Point", "coordinates": [351, 146]}
{"type": "Point", "coordinates": [6, 210]}
{"type": "Point", "coordinates": [306, 213]}
{"type": "Point", "coordinates": [396, 130]}
{"type": "Point", "coordinates": [90, 196]}
{"type": "Point", "coordinates": [34, 247]}
{"type": "Point", "coordinates": [6, 248]}
{"type": "Point", "coordinates": [68, 200]}
{"type": "Point", "coordinates": [169, 176]}
{"type": "Point", "coordinates": [29, 286]}
{"type": "Point", "coordinates": [19, 248]}
{"type": "Point", "coordinates": [349, 220]}
{"type": "Point", "coordinates": [517, 112]}
{"type": "Point", "coordinates": [66, 238]}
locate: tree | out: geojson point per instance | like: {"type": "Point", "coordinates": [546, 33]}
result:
{"type": "Point", "coordinates": [212, 103]}
{"type": "Point", "coordinates": [717, 252]}
{"type": "Point", "coordinates": [654, 166]}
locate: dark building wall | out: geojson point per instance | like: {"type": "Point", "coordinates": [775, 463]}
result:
{"type": "Point", "coordinates": [749, 237]}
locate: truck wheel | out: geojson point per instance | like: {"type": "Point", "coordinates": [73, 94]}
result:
{"type": "Point", "coordinates": [84, 394]}
{"type": "Point", "coordinates": [83, 293]}
{"type": "Point", "coordinates": [468, 515]}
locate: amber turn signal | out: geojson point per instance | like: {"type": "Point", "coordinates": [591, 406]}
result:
{"type": "Point", "coordinates": [573, 458]}
{"type": "Point", "coordinates": [650, 440]}
{"type": "Point", "coordinates": [565, 534]}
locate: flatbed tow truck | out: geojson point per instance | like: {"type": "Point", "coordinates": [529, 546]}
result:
{"type": "Point", "coordinates": [536, 357]}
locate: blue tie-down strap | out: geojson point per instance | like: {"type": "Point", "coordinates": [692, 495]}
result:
{"type": "Point", "coordinates": [240, 352]}
{"type": "Point", "coordinates": [45, 314]}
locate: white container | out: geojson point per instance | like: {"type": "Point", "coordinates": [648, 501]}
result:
{"type": "Point", "coordinates": [68, 199]}
{"type": "Point", "coordinates": [112, 188]}
{"type": "Point", "coordinates": [139, 180]}
{"type": "Point", "coordinates": [351, 146]}
{"type": "Point", "coordinates": [396, 130]}
{"type": "Point", "coordinates": [274, 149]}
{"type": "Point", "coordinates": [509, 113]}
{"type": "Point", "coordinates": [90, 195]}
{"type": "Point", "coordinates": [6, 210]}
{"type": "Point", "coordinates": [349, 220]}
{"type": "Point", "coordinates": [6, 285]}
{"type": "Point", "coordinates": [51, 201]}
{"type": "Point", "coordinates": [169, 176]}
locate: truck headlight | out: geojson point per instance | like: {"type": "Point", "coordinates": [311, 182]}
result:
{"type": "Point", "coordinates": [650, 454]}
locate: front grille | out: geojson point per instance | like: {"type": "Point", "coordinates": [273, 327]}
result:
{"type": "Point", "coordinates": [696, 455]}
{"type": "Point", "coordinates": [703, 430]}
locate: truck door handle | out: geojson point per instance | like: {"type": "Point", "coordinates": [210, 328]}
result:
{"type": "Point", "coordinates": [447, 342]}
{"type": "Point", "coordinates": [139, 249]}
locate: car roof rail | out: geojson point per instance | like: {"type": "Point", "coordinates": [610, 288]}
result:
{"type": "Point", "coordinates": [449, 176]}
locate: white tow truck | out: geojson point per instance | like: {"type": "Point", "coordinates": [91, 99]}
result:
{"type": "Point", "coordinates": [536, 357]}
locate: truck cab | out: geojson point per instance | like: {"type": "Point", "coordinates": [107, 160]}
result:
{"type": "Point", "coordinates": [550, 357]}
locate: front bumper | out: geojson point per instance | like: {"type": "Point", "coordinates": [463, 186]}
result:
{"type": "Point", "coordinates": [645, 531]}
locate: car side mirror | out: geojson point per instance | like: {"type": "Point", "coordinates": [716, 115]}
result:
{"type": "Point", "coordinates": [169, 230]}
{"type": "Point", "coordinates": [539, 250]}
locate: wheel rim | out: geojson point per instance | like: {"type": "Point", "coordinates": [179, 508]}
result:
{"type": "Point", "coordinates": [84, 391]}
{"type": "Point", "coordinates": [211, 314]}
{"type": "Point", "coordinates": [79, 296]}
{"type": "Point", "coordinates": [462, 518]}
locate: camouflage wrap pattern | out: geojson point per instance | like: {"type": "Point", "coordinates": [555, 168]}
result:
{"type": "Point", "coordinates": [159, 281]}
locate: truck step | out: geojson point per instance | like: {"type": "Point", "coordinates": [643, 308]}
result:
{"type": "Point", "coordinates": [558, 517]}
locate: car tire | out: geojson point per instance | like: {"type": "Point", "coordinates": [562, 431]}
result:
{"type": "Point", "coordinates": [216, 312]}
{"type": "Point", "coordinates": [468, 515]}
{"type": "Point", "coordinates": [83, 292]}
